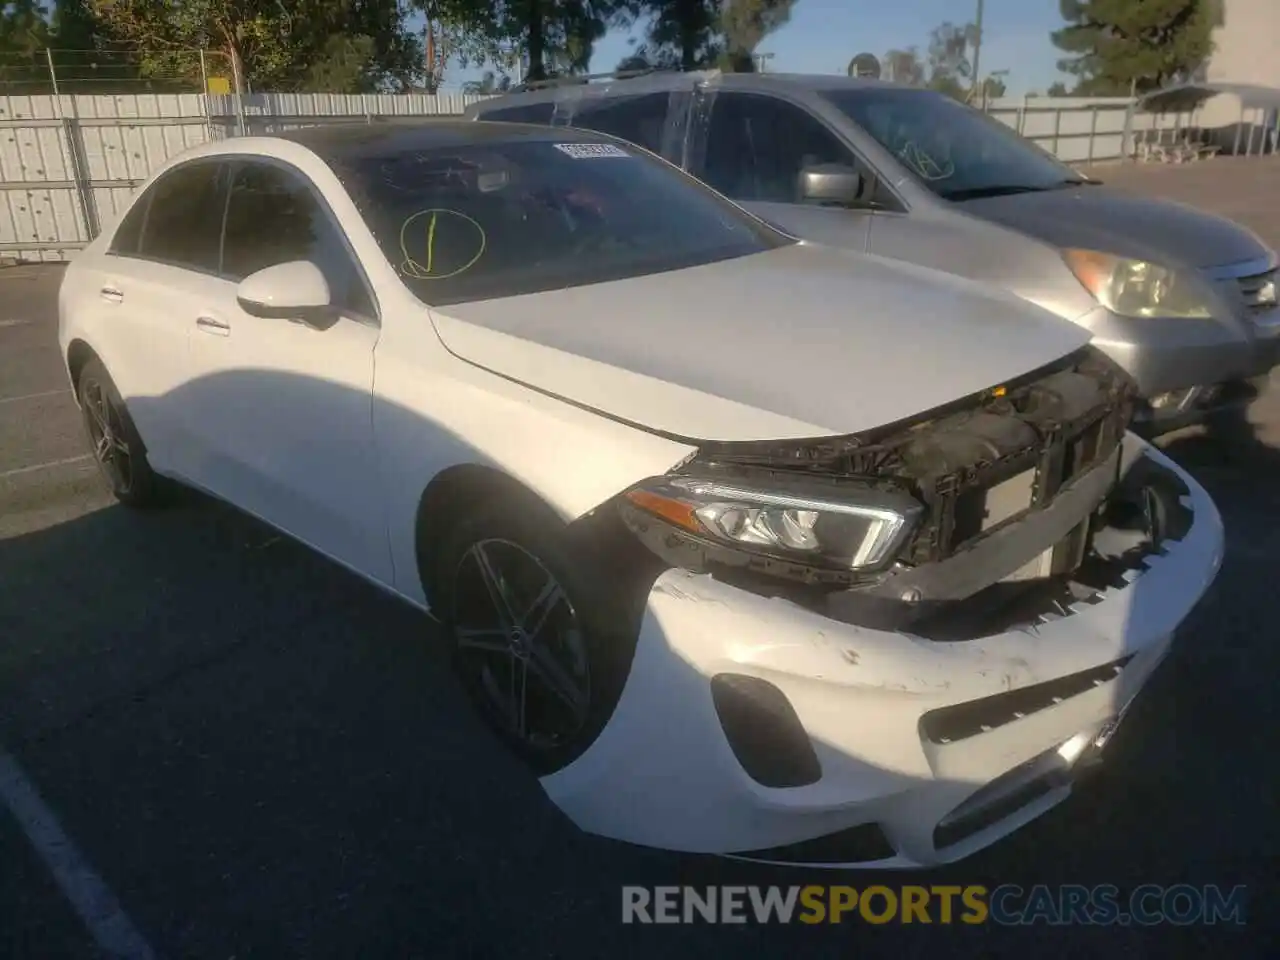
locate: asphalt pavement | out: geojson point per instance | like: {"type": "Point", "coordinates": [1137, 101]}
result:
{"type": "Point", "coordinates": [238, 750]}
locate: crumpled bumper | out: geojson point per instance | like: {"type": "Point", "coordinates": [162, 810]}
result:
{"type": "Point", "coordinates": [939, 748]}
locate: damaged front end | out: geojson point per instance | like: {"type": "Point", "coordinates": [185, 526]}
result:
{"type": "Point", "coordinates": [995, 511]}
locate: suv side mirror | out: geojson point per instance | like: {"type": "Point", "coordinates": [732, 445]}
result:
{"type": "Point", "coordinates": [831, 184]}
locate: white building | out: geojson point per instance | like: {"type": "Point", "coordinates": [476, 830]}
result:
{"type": "Point", "coordinates": [1246, 43]}
{"type": "Point", "coordinates": [1246, 51]}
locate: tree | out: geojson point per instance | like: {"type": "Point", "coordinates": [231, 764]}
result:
{"type": "Point", "coordinates": [557, 36]}
{"type": "Point", "coordinates": [24, 35]}
{"type": "Point", "coordinates": [993, 88]}
{"type": "Point", "coordinates": [24, 29]}
{"type": "Point", "coordinates": [344, 45]}
{"type": "Point", "coordinates": [950, 66]}
{"type": "Point", "coordinates": [681, 34]}
{"type": "Point", "coordinates": [696, 34]}
{"type": "Point", "coordinates": [1119, 45]}
{"type": "Point", "coordinates": [1058, 89]}
{"type": "Point", "coordinates": [462, 31]}
{"type": "Point", "coordinates": [743, 24]}
{"type": "Point", "coordinates": [904, 66]}
{"type": "Point", "coordinates": [489, 83]}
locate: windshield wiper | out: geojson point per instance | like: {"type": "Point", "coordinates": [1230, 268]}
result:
{"type": "Point", "coordinates": [996, 190]}
{"type": "Point", "coordinates": [1009, 189]}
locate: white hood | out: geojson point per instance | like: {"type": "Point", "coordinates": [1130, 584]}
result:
{"type": "Point", "coordinates": [802, 341]}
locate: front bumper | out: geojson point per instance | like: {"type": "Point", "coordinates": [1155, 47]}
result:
{"type": "Point", "coordinates": [885, 714]}
{"type": "Point", "coordinates": [1240, 343]}
{"type": "Point", "coordinates": [1167, 355]}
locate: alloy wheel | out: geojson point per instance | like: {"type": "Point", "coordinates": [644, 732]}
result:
{"type": "Point", "coordinates": [106, 433]}
{"type": "Point", "coordinates": [520, 646]}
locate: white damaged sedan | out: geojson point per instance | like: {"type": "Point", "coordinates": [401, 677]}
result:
{"type": "Point", "coordinates": [746, 546]}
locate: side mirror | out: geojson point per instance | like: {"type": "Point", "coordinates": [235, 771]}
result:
{"type": "Point", "coordinates": [295, 291]}
{"type": "Point", "coordinates": [830, 184]}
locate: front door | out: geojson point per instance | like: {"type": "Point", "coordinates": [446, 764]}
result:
{"type": "Point", "coordinates": [284, 418]}
{"type": "Point", "coordinates": [753, 149]}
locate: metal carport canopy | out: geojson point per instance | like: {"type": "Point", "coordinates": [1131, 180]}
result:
{"type": "Point", "coordinates": [1186, 96]}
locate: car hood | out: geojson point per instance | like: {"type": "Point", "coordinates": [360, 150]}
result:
{"type": "Point", "coordinates": [801, 341]}
{"type": "Point", "coordinates": [1121, 223]}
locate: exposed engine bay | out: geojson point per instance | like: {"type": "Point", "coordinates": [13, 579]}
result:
{"type": "Point", "coordinates": [1017, 499]}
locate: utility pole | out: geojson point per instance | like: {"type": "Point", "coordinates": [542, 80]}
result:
{"type": "Point", "coordinates": [977, 50]}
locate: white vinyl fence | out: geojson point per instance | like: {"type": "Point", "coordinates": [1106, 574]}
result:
{"type": "Point", "coordinates": [68, 163]}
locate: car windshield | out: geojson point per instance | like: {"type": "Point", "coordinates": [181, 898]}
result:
{"type": "Point", "coordinates": [501, 218]}
{"type": "Point", "coordinates": [957, 152]}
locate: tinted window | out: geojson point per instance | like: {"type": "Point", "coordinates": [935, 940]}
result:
{"type": "Point", "coordinates": [531, 113]}
{"type": "Point", "coordinates": [129, 233]}
{"type": "Point", "coordinates": [638, 119]}
{"type": "Point", "coordinates": [757, 146]}
{"type": "Point", "coordinates": [507, 217]}
{"type": "Point", "coordinates": [273, 217]}
{"type": "Point", "coordinates": [957, 152]}
{"type": "Point", "coordinates": [184, 217]}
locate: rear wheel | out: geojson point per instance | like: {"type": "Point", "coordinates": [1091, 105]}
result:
{"type": "Point", "coordinates": [117, 448]}
{"type": "Point", "coordinates": [537, 637]}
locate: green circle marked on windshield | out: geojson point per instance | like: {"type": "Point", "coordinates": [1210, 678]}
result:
{"type": "Point", "coordinates": [439, 243]}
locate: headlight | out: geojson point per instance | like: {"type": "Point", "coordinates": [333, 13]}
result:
{"type": "Point", "coordinates": [857, 531]}
{"type": "Point", "coordinates": [1136, 288]}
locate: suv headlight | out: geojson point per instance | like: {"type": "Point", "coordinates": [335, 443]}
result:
{"type": "Point", "coordinates": [855, 530]}
{"type": "Point", "coordinates": [1136, 288]}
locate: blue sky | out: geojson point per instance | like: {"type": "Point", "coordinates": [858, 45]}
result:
{"type": "Point", "coordinates": [823, 35]}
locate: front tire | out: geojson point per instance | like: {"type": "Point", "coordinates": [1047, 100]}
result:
{"type": "Point", "coordinates": [113, 439]}
{"type": "Point", "coordinates": [538, 637]}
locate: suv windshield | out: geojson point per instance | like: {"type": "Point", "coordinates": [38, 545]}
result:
{"type": "Point", "coordinates": [501, 218]}
{"type": "Point", "coordinates": [957, 152]}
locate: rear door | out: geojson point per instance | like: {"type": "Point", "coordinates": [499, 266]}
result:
{"type": "Point", "coordinates": [163, 254]}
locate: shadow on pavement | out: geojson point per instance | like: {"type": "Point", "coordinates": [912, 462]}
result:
{"type": "Point", "coordinates": [265, 756]}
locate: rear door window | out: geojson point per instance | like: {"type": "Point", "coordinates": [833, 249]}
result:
{"type": "Point", "coordinates": [128, 235]}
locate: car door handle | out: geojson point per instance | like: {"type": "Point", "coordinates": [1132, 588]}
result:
{"type": "Point", "coordinates": [112, 294]}
{"type": "Point", "coordinates": [214, 326]}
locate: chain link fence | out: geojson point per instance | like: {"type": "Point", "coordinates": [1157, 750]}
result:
{"type": "Point", "coordinates": [53, 71]}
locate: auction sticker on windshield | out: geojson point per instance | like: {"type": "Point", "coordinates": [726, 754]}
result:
{"type": "Point", "coordinates": [590, 151]}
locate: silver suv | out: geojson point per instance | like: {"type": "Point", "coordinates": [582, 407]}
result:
{"type": "Point", "coordinates": [1184, 301]}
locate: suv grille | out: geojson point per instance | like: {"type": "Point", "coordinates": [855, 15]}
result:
{"type": "Point", "coordinates": [1259, 290]}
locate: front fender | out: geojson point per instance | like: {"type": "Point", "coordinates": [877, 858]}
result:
{"type": "Point", "coordinates": [426, 421]}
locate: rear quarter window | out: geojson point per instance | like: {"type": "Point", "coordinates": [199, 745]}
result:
{"type": "Point", "coordinates": [128, 235]}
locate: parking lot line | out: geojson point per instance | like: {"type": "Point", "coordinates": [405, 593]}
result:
{"type": "Point", "coordinates": [18, 471]}
{"type": "Point", "coordinates": [95, 904]}
{"type": "Point", "coordinates": [34, 396]}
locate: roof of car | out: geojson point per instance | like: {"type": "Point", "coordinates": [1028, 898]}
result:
{"type": "Point", "coordinates": [660, 80]}
{"type": "Point", "coordinates": [400, 135]}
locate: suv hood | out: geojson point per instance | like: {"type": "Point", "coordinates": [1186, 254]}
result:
{"type": "Point", "coordinates": [802, 341]}
{"type": "Point", "coordinates": [1121, 223]}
